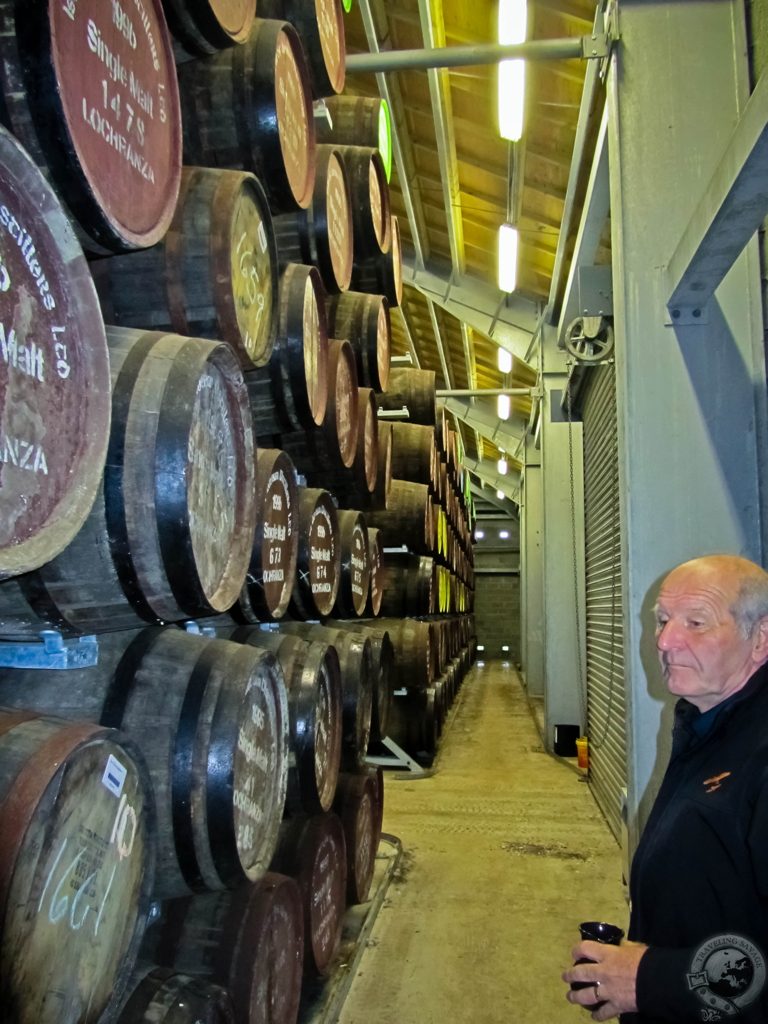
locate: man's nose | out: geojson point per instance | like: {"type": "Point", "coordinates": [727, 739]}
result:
{"type": "Point", "coordinates": [668, 636]}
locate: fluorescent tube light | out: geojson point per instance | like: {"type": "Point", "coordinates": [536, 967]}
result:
{"type": "Point", "coordinates": [500, 495]}
{"type": "Point", "coordinates": [503, 407]}
{"type": "Point", "coordinates": [504, 360]}
{"type": "Point", "coordinates": [502, 466]}
{"type": "Point", "coordinates": [508, 241]}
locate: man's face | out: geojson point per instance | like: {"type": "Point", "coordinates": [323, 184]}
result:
{"type": "Point", "coordinates": [704, 655]}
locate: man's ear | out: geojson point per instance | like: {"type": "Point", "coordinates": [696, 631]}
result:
{"type": "Point", "coordinates": [760, 641]}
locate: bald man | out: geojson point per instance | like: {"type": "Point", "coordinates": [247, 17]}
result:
{"type": "Point", "coordinates": [698, 948]}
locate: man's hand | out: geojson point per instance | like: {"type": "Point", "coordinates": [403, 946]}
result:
{"type": "Point", "coordinates": [615, 968]}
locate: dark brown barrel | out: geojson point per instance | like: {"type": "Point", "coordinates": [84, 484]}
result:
{"type": "Point", "coordinates": [414, 725]}
{"type": "Point", "coordinates": [359, 121]}
{"type": "Point", "coordinates": [412, 641]}
{"type": "Point", "coordinates": [384, 664]}
{"type": "Point", "coordinates": [320, 23]}
{"type": "Point", "coordinates": [159, 996]}
{"type": "Point", "coordinates": [171, 530]}
{"type": "Point", "coordinates": [356, 805]}
{"type": "Point", "coordinates": [407, 518]}
{"type": "Point", "coordinates": [320, 454]}
{"type": "Point", "coordinates": [381, 492]}
{"type": "Point", "coordinates": [54, 372]}
{"type": "Point", "coordinates": [76, 864]}
{"type": "Point", "coordinates": [251, 941]}
{"type": "Point", "coordinates": [319, 561]}
{"type": "Point", "coordinates": [211, 719]}
{"type": "Point", "coordinates": [250, 108]}
{"type": "Point", "coordinates": [291, 392]}
{"type": "Point", "coordinates": [312, 851]}
{"type": "Point", "coordinates": [313, 680]}
{"type": "Point", "coordinates": [382, 274]}
{"type": "Point", "coordinates": [202, 27]}
{"type": "Point", "coordinates": [413, 452]}
{"type": "Point", "coordinates": [376, 560]}
{"type": "Point", "coordinates": [272, 570]}
{"type": "Point", "coordinates": [414, 389]}
{"type": "Point", "coordinates": [358, 677]}
{"type": "Point", "coordinates": [364, 321]}
{"type": "Point", "coordinates": [369, 197]}
{"type": "Point", "coordinates": [441, 429]}
{"type": "Point", "coordinates": [89, 89]}
{"type": "Point", "coordinates": [215, 275]}
{"type": "Point", "coordinates": [355, 582]}
{"type": "Point", "coordinates": [321, 235]}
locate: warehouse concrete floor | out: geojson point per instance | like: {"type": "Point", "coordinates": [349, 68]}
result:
{"type": "Point", "coordinates": [505, 851]}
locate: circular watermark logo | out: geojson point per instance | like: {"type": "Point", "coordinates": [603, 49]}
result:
{"type": "Point", "coordinates": [727, 973]}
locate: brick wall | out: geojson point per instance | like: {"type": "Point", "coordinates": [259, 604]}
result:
{"type": "Point", "coordinates": [497, 615]}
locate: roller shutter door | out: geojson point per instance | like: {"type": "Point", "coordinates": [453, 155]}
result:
{"type": "Point", "coordinates": [606, 705]}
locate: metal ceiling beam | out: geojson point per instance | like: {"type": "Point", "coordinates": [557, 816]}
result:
{"type": "Point", "coordinates": [485, 422]}
{"type": "Point", "coordinates": [589, 95]}
{"type": "Point", "coordinates": [483, 307]}
{"type": "Point", "coordinates": [732, 208]}
{"type": "Point", "coordinates": [585, 47]}
{"type": "Point", "coordinates": [597, 203]}
{"type": "Point", "coordinates": [508, 484]}
{"type": "Point", "coordinates": [483, 494]}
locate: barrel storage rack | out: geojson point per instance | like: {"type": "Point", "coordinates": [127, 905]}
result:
{"type": "Point", "coordinates": [220, 556]}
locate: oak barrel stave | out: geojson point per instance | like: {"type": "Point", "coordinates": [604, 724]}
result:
{"type": "Point", "coordinates": [69, 80]}
{"type": "Point", "coordinates": [357, 684]}
{"type": "Point", "coordinates": [384, 665]}
{"type": "Point", "coordinates": [250, 108]}
{"type": "Point", "coordinates": [414, 389]}
{"type": "Point", "coordinates": [370, 201]}
{"type": "Point", "coordinates": [211, 719]}
{"type": "Point", "coordinates": [355, 487]}
{"type": "Point", "coordinates": [365, 322]}
{"type": "Point", "coordinates": [291, 392]}
{"type": "Point", "coordinates": [76, 867]}
{"type": "Point", "coordinates": [413, 452]}
{"type": "Point", "coordinates": [215, 275]}
{"type": "Point", "coordinates": [54, 383]}
{"type": "Point", "coordinates": [321, 235]}
{"type": "Point", "coordinates": [201, 27]}
{"type": "Point", "coordinates": [382, 274]}
{"type": "Point", "coordinates": [170, 533]}
{"type": "Point", "coordinates": [358, 121]}
{"type": "Point", "coordinates": [407, 519]}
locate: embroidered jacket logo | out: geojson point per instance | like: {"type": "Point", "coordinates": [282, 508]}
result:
{"type": "Point", "coordinates": [713, 783]}
{"type": "Point", "coordinates": [727, 973]}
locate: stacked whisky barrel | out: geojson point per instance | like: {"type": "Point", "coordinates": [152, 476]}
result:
{"type": "Point", "coordinates": [212, 459]}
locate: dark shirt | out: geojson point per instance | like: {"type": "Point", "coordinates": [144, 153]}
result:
{"type": "Point", "coordinates": [699, 880]}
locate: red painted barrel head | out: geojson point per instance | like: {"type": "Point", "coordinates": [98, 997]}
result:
{"type": "Point", "coordinates": [54, 371]}
{"type": "Point", "coordinates": [369, 426]}
{"type": "Point", "coordinates": [253, 272]}
{"type": "Point", "coordinates": [376, 562]}
{"type": "Point", "coordinates": [324, 554]}
{"type": "Point", "coordinates": [117, 89]}
{"type": "Point", "coordinates": [343, 400]}
{"type": "Point", "coordinates": [359, 816]}
{"type": "Point", "coordinates": [330, 23]}
{"type": "Point", "coordinates": [278, 523]}
{"type": "Point", "coordinates": [323, 882]}
{"type": "Point", "coordinates": [295, 118]}
{"type": "Point", "coordinates": [235, 17]}
{"type": "Point", "coordinates": [327, 724]}
{"type": "Point", "coordinates": [360, 569]}
{"type": "Point", "coordinates": [339, 221]}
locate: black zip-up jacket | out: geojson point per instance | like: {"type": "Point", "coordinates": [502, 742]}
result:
{"type": "Point", "coordinates": [701, 870]}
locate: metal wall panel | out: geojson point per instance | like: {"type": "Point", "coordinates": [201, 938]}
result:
{"type": "Point", "coordinates": [606, 706]}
